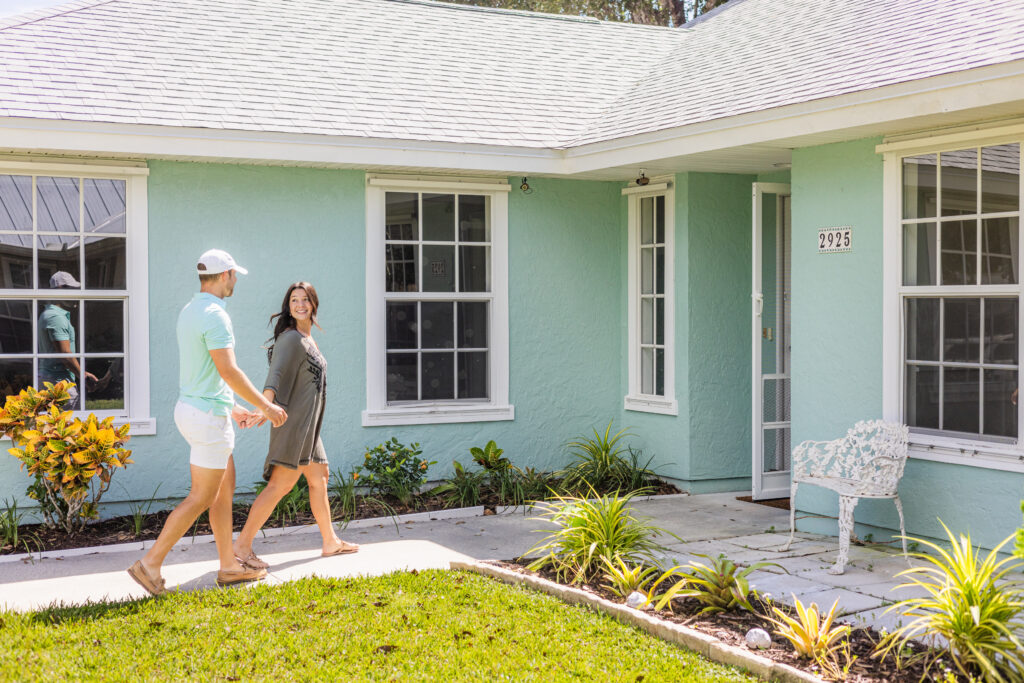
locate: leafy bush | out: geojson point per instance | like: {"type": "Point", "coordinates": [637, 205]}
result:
{"type": "Point", "coordinates": [536, 484]}
{"type": "Point", "coordinates": [72, 460]}
{"type": "Point", "coordinates": [589, 530]}
{"type": "Point", "coordinates": [489, 457]}
{"type": "Point", "coordinates": [969, 604]}
{"type": "Point", "coordinates": [600, 464]}
{"type": "Point", "coordinates": [394, 470]}
{"type": "Point", "coordinates": [721, 585]}
{"type": "Point", "coordinates": [463, 488]}
{"type": "Point", "coordinates": [623, 580]}
{"type": "Point", "coordinates": [345, 501]}
{"type": "Point", "coordinates": [813, 636]}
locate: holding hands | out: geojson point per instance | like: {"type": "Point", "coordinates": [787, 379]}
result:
{"type": "Point", "coordinates": [255, 418]}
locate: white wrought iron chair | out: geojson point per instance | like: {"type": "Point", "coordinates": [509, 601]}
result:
{"type": "Point", "coordinates": [867, 463]}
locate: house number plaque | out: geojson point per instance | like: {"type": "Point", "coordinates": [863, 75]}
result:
{"type": "Point", "coordinates": [832, 240]}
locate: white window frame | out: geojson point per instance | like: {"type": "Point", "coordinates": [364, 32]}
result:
{"type": "Point", "coordinates": [497, 407]}
{"type": "Point", "coordinates": [938, 448]}
{"type": "Point", "coordinates": [635, 399]}
{"type": "Point", "coordinates": [137, 401]}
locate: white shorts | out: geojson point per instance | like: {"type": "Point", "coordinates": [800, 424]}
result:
{"type": "Point", "coordinates": [212, 437]}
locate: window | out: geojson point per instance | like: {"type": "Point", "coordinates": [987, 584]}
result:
{"type": "Point", "coordinates": [437, 334]}
{"type": "Point", "coordinates": [68, 284]}
{"type": "Point", "coordinates": [651, 311]}
{"type": "Point", "coordinates": [960, 292]}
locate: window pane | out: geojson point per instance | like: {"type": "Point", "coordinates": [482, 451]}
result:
{"type": "Point", "coordinates": [960, 399]}
{"type": "Point", "coordinates": [439, 217]}
{"type": "Point", "coordinates": [647, 271]}
{"type": "Point", "coordinates": [1001, 331]}
{"type": "Point", "coordinates": [401, 220]}
{"type": "Point", "coordinates": [401, 371]}
{"type": "Point", "coordinates": [959, 182]}
{"type": "Point", "coordinates": [962, 330]}
{"type": "Point", "coordinates": [438, 268]}
{"type": "Point", "coordinates": [104, 205]}
{"type": "Point", "coordinates": [1000, 178]}
{"type": "Point", "coordinates": [472, 332]}
{"type": "Point", "coordinates": [659, 372]}
{"type": "Point", "coordinates": [919, 246]}
{"type": "Point", "coordinates": [647, 371]}
{"type": "Point", "coordinates": [1000, 412]}
{"type": "Point", "coordinates": [647, 220]}
{"type": "Point", "coordinates": [57, 204]}
{"type": "Point", "coordinates": [107, 391]}
{"type": "Point", "coordinates": [438, 381]}
{"type": "Point", "coordinates": [104, 326]}
{"type": "Point", "coordinates": [659, 321]}
{"type": "Point", "coordinates": [922, 329]}
{"type": "Point", "coordinates": [659, 219]}
{"type": "Point", "coordinates": [473, 375]}
{"type": "Point", "coordinates": [659, 270]}
{"type": "Point", "coordinates": [15, 326]}
{"type": "Point", "coordinates": [15, 202]}
{"type": "Point", "coordinates": [473, 275]}
{"type": "Point", "coordinates": [400, 268]}
{"type": "Point", "coordinates": [401, 325]}
{"type": "Point", "coordinates": [647, 320]}
{"type": "Point", "coordinates": [959, 253]}
{"type": "Point", "coordinates": [1000, 247]}
{"type": "Point", "coordinates": [473, 219]}
{"type": "Point", "coordinates": [16, 261]}
{"type": "Point", "coordinates": [923, 396]}
{"type": "Point", "coordinates": [919, 189]}
{"type": "Point", "coordinates": [15, 375]}
{"type": "Point", "coordinates": [438, 325]}
{"type": "Point", "coordinates": [105, 263]}
{"type": "Point", "coordinates": [59, 261]}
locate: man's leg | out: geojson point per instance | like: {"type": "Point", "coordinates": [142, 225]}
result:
{"type": "Point", "coordinates": [205, 483]}
{"type": "Point", "coordinates": [221, 518]}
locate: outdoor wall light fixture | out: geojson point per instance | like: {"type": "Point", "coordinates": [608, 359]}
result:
{"type": "Point", "coordinates": [525, 187]}
{"type": "Point", "coordinates": [642, 180]}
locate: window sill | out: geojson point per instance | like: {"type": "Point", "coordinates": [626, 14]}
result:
{"type": "Point", "coordinates": [968, 454]}
{"type": "Point", "coordinates": [651, 404]}
{"type": "Point", "coordinates": [437, 414]}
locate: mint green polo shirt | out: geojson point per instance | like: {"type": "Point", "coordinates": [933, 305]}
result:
{"type": "Point", "coordinates": [54, 326]}
{"type": "Point", "coordinates": [204, 326]}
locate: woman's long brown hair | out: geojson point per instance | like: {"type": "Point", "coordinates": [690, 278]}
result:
{"type": "Point", "coordinates": [285, 321]}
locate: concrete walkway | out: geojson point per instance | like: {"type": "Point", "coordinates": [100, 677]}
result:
{"type": "Point", "coordinates": [711, 524]}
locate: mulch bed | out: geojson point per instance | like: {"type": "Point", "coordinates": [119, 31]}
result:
{"type": "Point", "coordinates": [731, 628]}
{"type": "Point", "coordinates": [122, 529]}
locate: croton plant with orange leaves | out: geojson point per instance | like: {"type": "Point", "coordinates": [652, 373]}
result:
{"type": "Point", "coordinates": [71, 459]}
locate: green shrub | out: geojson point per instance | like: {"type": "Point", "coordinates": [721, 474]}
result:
{"type": "Point", "coordinates": [813, 636]}
{"type": "Point", "coordinates": [720, 585]}
{"type": "Point", "coordinates": [11, 535]}
{"type": "Point", "coordinates": [605, 464]}
{"type": "Point", "coordinates": [589, 530]}
{"type": "Point", "coordinates": [462, 489]}
{"type": "Point", "coordinates": [394, 470]}
{"type": "Point", "coordinates": [622, 579]}
{"type": "Point", "coordinates": [970, 604]}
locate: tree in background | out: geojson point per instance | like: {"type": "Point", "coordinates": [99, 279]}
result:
{"type": "Point", "coordinates": [654, 12]}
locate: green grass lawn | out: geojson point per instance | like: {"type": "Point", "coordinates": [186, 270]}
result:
{"type": "Point", "coordinates": [434, 625]}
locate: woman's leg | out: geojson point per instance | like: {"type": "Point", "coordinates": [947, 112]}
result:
{"type": "Point", "coordinates": [281, 482]}
{"type": "Point", "coordinates": [317, 476]}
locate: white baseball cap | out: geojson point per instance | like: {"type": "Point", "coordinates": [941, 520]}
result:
{"type": "Point", "coordinates": [216, 261]}
{"type": "Point", "coordinates": [64, 279]}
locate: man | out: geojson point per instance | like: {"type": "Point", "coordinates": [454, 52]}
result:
{"type": "Point", "coordinates": [203, 415]}
{"type": "Point", "coordinates": [57, 335]}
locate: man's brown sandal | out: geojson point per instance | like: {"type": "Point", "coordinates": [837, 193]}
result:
{"type": "Point", "coordinates": [251, 561]}
{"type": "Point", "coordinates": [226, 577]}
{"type": "Point", "coordinates": [142, 577]}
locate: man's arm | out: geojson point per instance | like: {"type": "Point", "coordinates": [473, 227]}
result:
{"type": "Point", "coordinates": [64, 346]}
{"type": "Point", "coordinates": [229, 371]}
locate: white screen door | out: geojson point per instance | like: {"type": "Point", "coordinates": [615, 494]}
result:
{"type": "Point", "coordinates": [770, 342]}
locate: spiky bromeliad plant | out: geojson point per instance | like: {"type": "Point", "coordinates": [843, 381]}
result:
{"type": "Point", "coordinates": [589, 530]}
{"type": "Point", "coordinates": [72, 460]}
{"type": "Point", "coordinates": [720, 585]}
{"type": "Point", "coordinates": [970, 604]}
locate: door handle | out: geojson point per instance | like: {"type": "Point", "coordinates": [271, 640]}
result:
{"type": "Point", "coordinates": [759, 300]}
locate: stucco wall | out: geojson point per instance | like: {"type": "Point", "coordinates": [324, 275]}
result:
{"type": "Point", "coordinates": [837, 356]}
{"type": "Point", "coordinates": [286, 224]}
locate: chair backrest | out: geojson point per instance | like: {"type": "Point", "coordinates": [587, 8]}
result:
{"type": "Point", "coordinates": [880, 449]}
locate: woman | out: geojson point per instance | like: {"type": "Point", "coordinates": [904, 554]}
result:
{"type": "Point", "coordinates": [297, 381]}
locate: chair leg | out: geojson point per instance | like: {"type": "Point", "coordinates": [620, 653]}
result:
{"type": "Point", "coordinates": [792, 515]}
{"type": "Point", "coordinates": [846, 507]}
{"type": "Point", "coordinates": [903, 531]}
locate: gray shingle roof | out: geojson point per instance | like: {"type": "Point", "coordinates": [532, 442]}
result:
{"type": "Point", "coordinates": [416, 70]}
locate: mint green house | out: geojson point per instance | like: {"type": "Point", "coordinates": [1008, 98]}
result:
{"type": "Point", "coordinates": [731, 236]}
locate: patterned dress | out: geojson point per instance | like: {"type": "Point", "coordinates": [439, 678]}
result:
{"type": "Point", "coordinates": [298, 376]}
